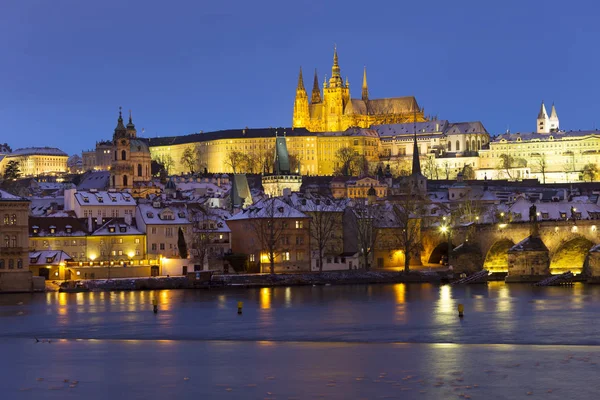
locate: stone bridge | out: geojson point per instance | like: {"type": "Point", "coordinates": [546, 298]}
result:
{"type": "Point", "coordinates": [486, 245]}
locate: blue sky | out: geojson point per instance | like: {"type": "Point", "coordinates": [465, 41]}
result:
{"type": "Point", "coordinates": [185, 66]}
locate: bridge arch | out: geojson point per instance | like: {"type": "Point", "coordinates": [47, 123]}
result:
{"type": "Point", "coordinates": [496, 259]}
{"type": "Point", "coordinates": [571, 255]}
{"type": "Point", "coordinates": [439, 252]}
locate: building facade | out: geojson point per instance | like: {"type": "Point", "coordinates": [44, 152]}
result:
{"type": "Point", "coordinates": [34, 161]}
{"type": "Point", "coordinates": [14, 252]}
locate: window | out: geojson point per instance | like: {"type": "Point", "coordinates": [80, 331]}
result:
{"type": "Point", "coordinates": [20, 263]}
{"type": "Point", "coordinates": [123, 155]}
{"type": "Point", "coordinates": [153, 230]}
{"type": "Point", "coordinates": [7, 241]}
{"type": "Point", "coordinates": [13, 241]}
{"type": "Point", "coordinates": [137, 252]}
{"type": "Point", "coordinates": [13, 219]}
{"type": "Point", "coordinates": [299, 224]}
{"type": "Point", "coordinates": [1, 263]}
{"type": "Point", "coordinates": [124, 180]}
{"type": "Point", "coordinates": [136, 241]}
{"type": "Point", "coordinates": [154, 246]}
{"type": "Point", "coordinates": [457, 145]}
{"type": "Point", "coordinates": [162, 246]}
{"type": "Point", "coordinates": [285, 255]}
{"type": "Point", "coordinates": [139, 169]}
{"type": "Point", "coordinates": [114, 252]}
{"type": "Point", "coordinates": [251, 260]}
{"type": "Point", "coordinates": [169, 232]}
{"type": "Point", "coordinates": [120, 252]}
{"type": "Point", "coordinates": [6, 219]}
{"type": "Point", "coordinates": [299, 256]}
{"type": "Point", "coordinates": [285, 240]}
{"type": "Point", "coordinates": [299, 239]}
{"type": "Point", "coordinates": [11, 264]}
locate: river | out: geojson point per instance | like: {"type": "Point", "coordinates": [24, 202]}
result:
{"type": "Point", "coordinates": [332, 342]}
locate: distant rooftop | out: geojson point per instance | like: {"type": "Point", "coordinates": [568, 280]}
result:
{"type": "Point", "coordinates": [46, 151]}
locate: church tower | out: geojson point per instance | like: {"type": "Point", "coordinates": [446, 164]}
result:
{"type": "Point", "coordinates": [301, 115]}
{"type": "Point", "coordinates": [553, 121]}
{"type": "Point", "coordinates": [543, 122]}
{"type": "Point", "coordinates": [121, 174]}
{"type": "Point", "coordinates": [283, 180]}
{"type": "Point", "coordinates": [417, 181]}
{"type": "Point", "coordinates": [335, 97]}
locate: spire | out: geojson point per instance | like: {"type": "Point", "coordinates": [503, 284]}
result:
{"type": "Point", "coordinates": [543, 113]}
{"type": "Point", "coordinates": [316, 91]}
{"type": "Point", "coordinates": [336, 79]}
{"type": "Point", "coordinates": [365, 88]}
{"type": "Point", "coordinates": [553, 114]}
{"type": "Point", "coordinates": [120, 127]}
{"type": "Point", "coordinates": [416, 162]}
{"type": "Point", "coordinates": [300, 81]}
{"type": "Point", "coordinates": [130, 124]}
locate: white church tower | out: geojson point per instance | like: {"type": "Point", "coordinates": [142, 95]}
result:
{"type": "Point", "coordinates": [554, 124]}
{"type": "Point", "coordinates": [547, 124]}
{"type": "Point", "coordinates": [543, 122]}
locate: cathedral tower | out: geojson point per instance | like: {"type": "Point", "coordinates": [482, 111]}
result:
{"type": "Point", "coordinates": [301, 115]}
{"type": "Point", "coordinates": [335, 97]}
{"type": "Point", "coordinates": [316, 91]}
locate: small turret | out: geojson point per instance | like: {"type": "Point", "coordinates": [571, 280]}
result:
{"type": "Point", "coordinates": [553, 121]}
{"type": "Point", "coordinates": [316, 91]}
{"type": "Point", "coordinates": [336, 78]}
{"type": "Point", "coordinates": [120, 130]}
{"type": "Point", "coordinates": [131, 132]}
{"type": "Point", "coordinates": [371, 195]}
{"type": "Point", "coordinates": [543, 122]}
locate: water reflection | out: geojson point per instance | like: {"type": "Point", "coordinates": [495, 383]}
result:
{"type": "Point", "coordinates": [400, 294]}
{"type": "Point", "coordinates": [288, 297]}
{"type": "Point", "coordinates": [265, 298]}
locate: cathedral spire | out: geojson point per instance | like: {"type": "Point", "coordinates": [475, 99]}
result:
{"type": "Point", "coordinates": [553, 113]}
{"type": "Point", "coordinates": [365, 88]}
{"type": "Point", "coordinates": [316, 91]}
{"type": "Point", "coordinates": [120, 127]}
{"type": "Point", "coordinates": [336, 78]}
{"type": "Point", "coordinates": [543, 113]}
{"type": "Point", "coordinates": [300, 81]}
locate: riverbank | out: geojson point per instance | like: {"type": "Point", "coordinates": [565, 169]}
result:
{"type": "Point", "coordinates": [263, 280]}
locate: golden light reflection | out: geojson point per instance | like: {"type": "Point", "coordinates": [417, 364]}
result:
{"type": "Point", "coordinates": [445, 310]}
{"type": "Point", "coordinates": [222, 301]}
{"type": "Point", "coordinates": [62, 302]}
{"type": "Point", "coordinates": [577, 297]}
{"type": "Point", "coordinates": [288, 296]}
{"type": "Point", "coordinates": [265, 298]}
{"type": "Point", "coordinates": [504, 304]}
{"type": "Point", "coordinates": [266, 343]}
{"type": "Point", "coordinates": [400, 292]}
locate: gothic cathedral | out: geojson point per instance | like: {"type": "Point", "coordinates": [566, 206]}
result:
{"type": "Point", "coordinates": [336, 111]}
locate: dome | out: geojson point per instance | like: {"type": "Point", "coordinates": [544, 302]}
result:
{"type": "Point", "coordinates": [139, 146]}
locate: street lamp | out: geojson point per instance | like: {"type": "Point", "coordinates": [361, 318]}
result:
{"type": "Point", "coordinates": [445, 229]}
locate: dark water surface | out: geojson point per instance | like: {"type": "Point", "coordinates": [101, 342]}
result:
{"type": "Point", "coordinates": [333, 342]}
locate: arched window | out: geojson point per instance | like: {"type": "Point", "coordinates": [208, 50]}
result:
{"type": "Point", "coordinates": [6, 241]}
{"type": "Point", "coordinates": [115, 156]}
{"type": "Point", "coordinates": [13, 241]}
{"type": "Point", "coordinates": [13, 219]}
{"type": "Point", "coordinates": [6, 219]}
{"type": "Point", "coordinates": [11, 264]}
{"type": "Point", "coordinates": [139, 169]}
{"type": "Point", "coordinates": [124, 180]}
{"type": "Point", "coordinates": [457, 145]}
{"type": "Point", "coordinates": [449, 146]}
{"type": "Point", "coordinates": [478, 144]}
{"type": "Point", "coordinates": [20, 263]}
{"type": "Point", "coordinates": [467, 145]}
{"type": "Point", "coordinates": [473, 145]}
{"type": "Point", "coordinates": [123, 155]}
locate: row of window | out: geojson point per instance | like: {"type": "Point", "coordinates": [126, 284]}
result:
{"type": "Point", "coordinates": [10, 219]}
{"type": "Point", "coordinates": [10, 241]}
{"type": "Point", "coordinates": [11, 263]}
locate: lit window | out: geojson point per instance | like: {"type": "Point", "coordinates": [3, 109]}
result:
{"type": "Point", "coordinates": [299, 224]}
{"type": "Point", "coordinates": [286, 256]}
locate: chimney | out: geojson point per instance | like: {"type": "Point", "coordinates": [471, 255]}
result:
{"type": "Point", "coordinates": [89, 223]}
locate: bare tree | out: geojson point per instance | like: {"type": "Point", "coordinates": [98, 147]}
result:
{"type": "Point", "coordinates": [268, 221]}
{"type": "Point", "coordinates": [506, 164]}
{"type": "Point", "coordinates": [430, 168]}
{"type": "Point", "coordinates": [189, 159]}
{"type": "Point", "coordinates": [364, 220]}
{"type": "Point", "coordinates": [202, 234]}
{"type": "Point", "coordinates": [325, 219]}
{"type": "Point", "coordinates": [235, 160]}
{"type": "Point", "coordinates": [345, 157]}
{"type": "Point", "coordinates": [408, 212]}
{"type": "Point", "coordinates": [166, 161]}
{"type": "Point", "coordinates": [468, 172]}
{"type": "Point", "coordinates": [540, 163]}
{"type": "Point", "coordinates": [447, 169]}
{"type": "Point", "coordinates": [590, 171]}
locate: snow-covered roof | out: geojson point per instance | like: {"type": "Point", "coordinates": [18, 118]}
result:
{"type": "Point", "coordinates": [103, 198]}
{"type": "Point", "coordinates": [5, 196]}
{"type": "Point", "coordinates": [555, 210]}
{"type": "Point", "coordinates": [269, 208]}
{"type": "Point", "coordinates": [116, 227]}
{"type": "Point", "coordinates": [165, 215]}
{"type": "Point", "coordinates": [47, 151]}
{"type": "Point", "coordinates": [48, 257]}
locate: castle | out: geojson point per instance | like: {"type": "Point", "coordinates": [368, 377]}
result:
{"type": "Point", "coordinates": [335, 110]}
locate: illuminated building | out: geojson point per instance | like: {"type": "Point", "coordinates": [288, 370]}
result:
{"type": "Point", "coordinates": [14, 257]}
{"type": "Point", "coordinates": [335, 110]}
{"type": "Point", "coordinates": [34, 161]}
{"type": "Point", "coordinates": [282, 178]}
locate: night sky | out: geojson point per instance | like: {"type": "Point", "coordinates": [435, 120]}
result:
{"type": "Point", "coordinates": [185, 66]}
